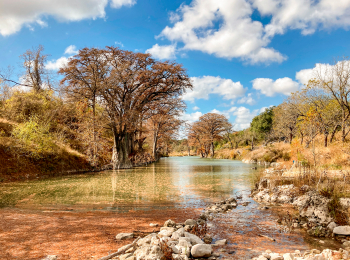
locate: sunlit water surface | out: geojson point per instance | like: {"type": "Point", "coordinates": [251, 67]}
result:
{"type": "Point", "coordinates": [171, 182]}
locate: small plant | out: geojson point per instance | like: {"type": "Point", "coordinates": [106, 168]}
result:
{"type": "Point", "coordinates": [199, 230]}
{"type": "Point", "coordinates": [336, 211]}
{"type": "Point", "coordinates": [168, 253]}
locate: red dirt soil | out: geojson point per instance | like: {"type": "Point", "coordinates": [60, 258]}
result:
{"type": "Point", "coordinates": [69, 235]}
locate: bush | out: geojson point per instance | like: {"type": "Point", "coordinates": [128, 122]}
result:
{"type": "Point", "coordinates": [35, 137]}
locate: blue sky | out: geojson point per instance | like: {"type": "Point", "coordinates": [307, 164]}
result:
{"type": "Point", "coordinates": [243, 55]}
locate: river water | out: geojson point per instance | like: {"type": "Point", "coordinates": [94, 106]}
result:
{"type": "Point", "coordinates": [170, 183]}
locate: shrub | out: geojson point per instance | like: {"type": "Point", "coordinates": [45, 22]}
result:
{"type": "Point", "coordinates": [35, 137]}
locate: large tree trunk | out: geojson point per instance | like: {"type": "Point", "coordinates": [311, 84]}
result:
{"type": "Point", "coordinates": [252, 143]}
{"type": "Point", "coordinates": [212, 149]}
{"type": "Point", "coordinates": [155, 140]}
{"type": "Point", "coordinates": [121, 151]}
{"type": "Point", "coordinates": [325, 139]}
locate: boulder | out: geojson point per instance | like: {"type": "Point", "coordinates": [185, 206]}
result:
{"type": "Point", "coordinates": [331, 226]}
{"type": "Point", "coordinates": [201, 250]}
{"type": "Point", "coordinates": [153, 225]}
{"type": "Point", "coordinates": [165, 233]}
{"type": "Point", "coordinates": [275, 256]}
{"type": "Point", "coordinates": [169, 223]}
{"type": "Point", "coordinates": [342, 230]}
{"type": "Point", "coordinates": [122, 236]}
{"type": "Point", "coordinates": [149, 253]}
{"type": "Point", "coordinates": [194, 239]}
{"type": "Point", "coordinates": [190, 222]}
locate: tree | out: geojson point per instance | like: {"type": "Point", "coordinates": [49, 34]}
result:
{"type": "Point", "coordinates": [262, 123]}
{"type": "Point", "coordinates": [335, 79]}
{"type": "Point", "coordinates": [131, 84]}
{"type": "Point", "coordinates": [164, 122]}
{"type": "Point", "coordinates": [210, 128]}
{"type": "Point", "coordinates": [84, 77]}
{"type": "Point", "coordinates": [35, 75]}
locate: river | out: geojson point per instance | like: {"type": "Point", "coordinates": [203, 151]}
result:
{"type": "Point", "coordinates": [171, 184]}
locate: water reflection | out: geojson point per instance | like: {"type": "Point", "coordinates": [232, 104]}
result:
{"type": "Point", "coordinates": [184, 182]}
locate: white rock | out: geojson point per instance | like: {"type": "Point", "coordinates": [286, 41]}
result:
{"type": "Point", "coordinates": [122, 236]}
{"type": "Point", "coordinates": [175, 236]}
{"type": "Point", "coordinates": [50, 257]}
{"type": "Point", "coordinates": [175, 250]}
{"type": "Point", "coordinates": [316, 257]}
{"type": "Point", "coordinates": [165, 233]}
{"type": "Point", "coordinates": [125, 256]}
{"type": "Point", "coordinates": [288, 256]}
{"type": "Point", "coordinates": [181, 232]}
{"type": "Point", "coordinates": [342, 230]}
{"type": "Point", "coordinates": [346, 244]}
{"type": "Point", "coordinates": [194, 239]}
{"type": "Point", "coordinates": [190, 222]}
{"type": "Point", "coordinates": [184, 243]}
{"type": "Point", "coordinates": [221, 242]}
{"type": "Point", "coordinates": [153, 224]}
{"type": "Point", "coordinates": [331, 226]}
{"type": "Point", "coordinates": [201, 250]}
{"type": "Point", "coordinates": [275, 256]}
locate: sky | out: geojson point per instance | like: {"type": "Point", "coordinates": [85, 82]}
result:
{"type": "Point", "coordinates": [242, 55]}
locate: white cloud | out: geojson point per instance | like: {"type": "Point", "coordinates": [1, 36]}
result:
{"type": "Point", "coordinates": [72, 49]}
{"type": "Point", "coordinates": [270, 87]}
{"type": "Point", "coordinates": [243, 117]}
{"type": "Point", "coordinates": [226, 29]}
{"type": "Point", "coordinates": [57, 64]}
{"type": "Point", "coordinates": [15, 14]}
{"type": "Point", "coordinates": [120, 3]}
{"type": "Point", "coordinates": [162, 52]}
{"type": "Point", "coordinates": [225, 113]}
{"type": "Point", "coordinates": [192, 117]}
{"type": "Point", "coordinates": [206, 85]}
{"type": "Point", "coordinates": [247, 100]}
{"type": "Point", "coordinates": [195, 108]}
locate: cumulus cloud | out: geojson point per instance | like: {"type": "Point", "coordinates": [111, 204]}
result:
{"type": "Point", "coordinates": [247, 100]}
{"type": "Point", "coordinates": [206, 85]}
{"type": "Point", "coordinates": [270, 88]}
{"type": "Point", "coordinates": [243, 117]}
{"type": "Point", "coordinates": [195, 108]}
{"type": "Point", "coordinates": [162, 52]}
{"type": "Point", "coordinates": [72, 49]}
{"type": "Point", "coordinates": [57, 64]}
{"type": "Point", "coordinates": [15, 14]}
{"type": "Point", "coordinates": [226, 28]}
{"type": "Point", "coordinates": [192, 117]}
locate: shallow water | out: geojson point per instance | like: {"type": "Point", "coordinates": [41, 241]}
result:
{"type": "Point", "coordinates": [171, 182]}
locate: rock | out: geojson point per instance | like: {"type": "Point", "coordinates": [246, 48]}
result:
{"type": "Point", "coordinates": [203, 216]}
{"type": "Point", "coordinates": [125, 256]}
{"type": "Point", "coordinates": [175, 250]}
{"type": "Point", "coordinates": [171, 229]}
{"type": "Point", "coordinates": [342, 230]}
{"type": "Point", "coordinates": [207, 239]}
{"type": "Point", "coordinates": [149, 253]}
{"type": "Point", "coordinates": [179, 257]}
{"type": "Point", "coordinates": [245, 203]}
{"type": "Point", "coordinates": [175, 236]}
{"type": "Point", "coordinates": [210, 217]}
{"type": "Point", "coordinates": [181, 232]}
{"type": "Point", "coordinates": [288, 256]}
{"type": "Point", "coordinates": [221, 242]}
{"type": "Point", "coordinates": [188, 228]}
{"type": "Point", "coordinates": [201, 250]}
{"type": "Point", "coordinates": [194, 239]}
{"type": "Point", "coordinates": [165, 233]}
{"type": "Point", "coordinates": [346, 244]}
{"type": "Point", "coordinates": [274, 256]}
{"type": "Point", "coordinates": [200, 222]}
{"type": "Point", "coordinates": [169, 223]}
{"type": "Point", "coordinates": [122, 236]}
{"type": "Point", "coordinates": [50, 257]}
{"type": "Point", "coordinates": [331, 226]}
{"type": "Point", "coordinates": [153, 225]}
{"type": "Point", "coordinates": [190, 222]}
